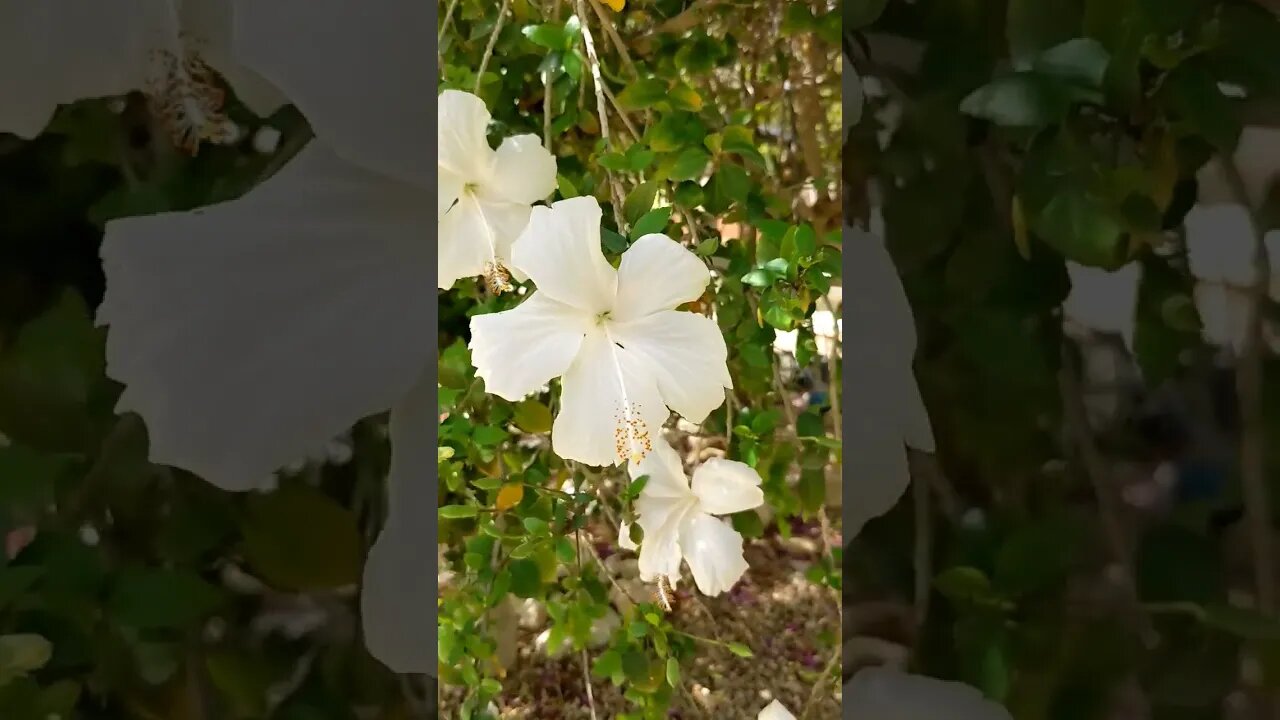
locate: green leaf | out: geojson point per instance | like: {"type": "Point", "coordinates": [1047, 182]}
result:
{"type": "Point", "coordinates": [1081, 60]}
{"type": "Point", "coordinates": [458, 512]}
{"type": "Point", "coordinates": [607, 665]}
{"type": "Point", "coordinates": [759, 278]}
{"type": "Point", "coordinates": [532, 416]}
{"type": "Point", "coordinates": [23, 653]}
{"type": "Point", "coordinates": [1080, 227]}
{"type": "Point", "coordinates": [673, 672]}
{"type": "Point", "coordinates": [489, 435]}
{"type": "Point", "coordinates": [1018, 100]}
{"type": "Point", "coordinates": [642, 94]}
{"type": "Point", "coordinates": [740, 650]}
{"type": "Point", "coordinates": [614, 161]}
{"type": "Point", "coordinates": [150, 599]}
{"type": "Point", "coordinates": [964, 584]}
{"type": "Point", "coordinates": [690, 164]}
{"type": "Point", "coordinates": [526, 578]}
{"type": "Point", "coordinates": [653, 221]}
{"type": "Point", "coordinates": [298, 538]}
{"type": "Point", "coordinates": [613, 242]}
{"type": "Point", "coordinates": [639, 201]}
{"type": "Point", "coordinates": [550, 35]}
{"type": "Point", "coordinates": [47, 375]}
{"type": "Point", "coordinates": [732, 183]}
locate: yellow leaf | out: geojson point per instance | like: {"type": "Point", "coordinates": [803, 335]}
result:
{"type": "Point", "coordinates": [616, 5]}
{"type": "Point", "coordinates": [1020, 229]}
{"type": "Point", "coordinates": [509, 496]}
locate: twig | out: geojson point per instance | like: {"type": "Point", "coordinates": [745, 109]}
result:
{"type": "Point", "coordinates": [815, 693]}
{"type": "Point", "coordinates": [448, 17]}
{"type": "Point", "coordinates": [1249, 390]}
{"type": "Point", "coordinates": [1076, 420]}
{"type": "Point", "coordinates": [586, 662]}
{"type": "Point", "coordinates": [923, 562]}
{"type": "Point", "coordinates": [586, 679]}
{"type": "Point", "coordinates": [612, 32]}
{"type": "Point", "coordinates": [493, 41]}
{"type": "Point", "coordinates": [547, 95]}
{"type": "Point", "coordinates": [603, 110]}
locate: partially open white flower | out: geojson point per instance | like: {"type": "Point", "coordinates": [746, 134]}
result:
{"type": "Point", "coordinates": [887, 694]}
{"type": "Point", "coordinates": [484, 194]}
{"type": "Point", "coordinates": [775, 711]}
{"type": "Point", "coordinates": [680, 523]}
{"type": "Point", "coordinates": [1104, 300]}
{"type": "Point", "coordinates": [1220, 245]}
{"type": "Point", "coordinates": [623, 353]}
{"type": "Point", "coordinates": [878, 372]}
{"type": "Point", "coordinates": [54, 52]}
{"type": "Point", "coordinates": [827, 335]}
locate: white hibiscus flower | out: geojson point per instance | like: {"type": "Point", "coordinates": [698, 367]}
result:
{"type": "Point", "coordinates": [250, 332]}
{"type": "Point", "coordinates": [878, 371]}
{"type": "Point", "coordinates": [484, 195]}
{"type": "Point", "coordinates": [679, 518]}
{"type": "Point", "coordinates": [623, 352]}
{"type": "Point", "coordinates": [54, 52]}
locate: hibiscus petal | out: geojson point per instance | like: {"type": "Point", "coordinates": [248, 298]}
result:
{"type": "Point", "coordinates": [686, 354]}
{"type": "Point", "coordinates": [400, 587]}
{"type": "Point", "coordinates": [560, 250]}
{"type": "Point", "coordinates": [209, 23]}
{"type": "Point", "coordinates": [665, 472]}
{"type": "Point", "coordinates": [660, 553]}
{"type": "Point", "coordinates": [610, 409]}
{"type": "Point", "coordinates": [250, 332]}
{"type": "Point", "coordinates": [462, 144]}
{"type": "Point", "coordinates": [656, 274]}
{"type": "Point", "coordinates": [624, 537]}
{"type": "Point", "coordinates": [355, 70]}
{"type": "Point", "coordinates": [523, 171]}
{"type": "Point", "coordinates": [876, 457]}
{"type": "Point", "coordinates": [888, 694]}
{"type": "Point", "coordinates": [474, 233]}
{"type": "Point", "coordinates": [520, 350]}
{"type": "Point", "coordinates": [713, 550]}
{"type": "Point", "coordinates": [727, 486]}
{"type": "Point", "coordinates": [448, 188]}
{"type": "Point", "coordinates": [58, 51]}
{"type": "Point", "coordinates": [776, 710]}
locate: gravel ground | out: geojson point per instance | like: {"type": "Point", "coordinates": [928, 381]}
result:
{"type": "Point", "coordinates": [789, 623]}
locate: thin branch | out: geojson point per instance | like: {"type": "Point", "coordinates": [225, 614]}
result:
{"type": "Point", "coordinates": [444, 27]}
{"type": "Point", "coordinates": [815, 693]}
{"type": "Point", "coordinates": [612, 32]}
{"type": "Point", "coordinates": [1076, 420]}
{"type": "Point", "coordinates": [1249, 390]}
{"type": "Point", "coordinates": [586, 680]}
{"type": "Point", "coordinates": [923, 563]}
{"type": "Point", "coordinates": [493, 41]}
{"type": "Point", "coordinates": [603, 110]}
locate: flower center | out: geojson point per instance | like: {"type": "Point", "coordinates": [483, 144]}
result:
{"type": "Point", "coordinates": [183, 91]}
{"type": "Point", "coordinates": [631, 439]}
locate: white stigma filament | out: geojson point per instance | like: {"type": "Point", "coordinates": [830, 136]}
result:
{"type": "Point", "coordinates": [631, 438]}
{"type": "Point", "coordinates": [496, 277]}
{"type": "Point", "coordinates": [183, 91]}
